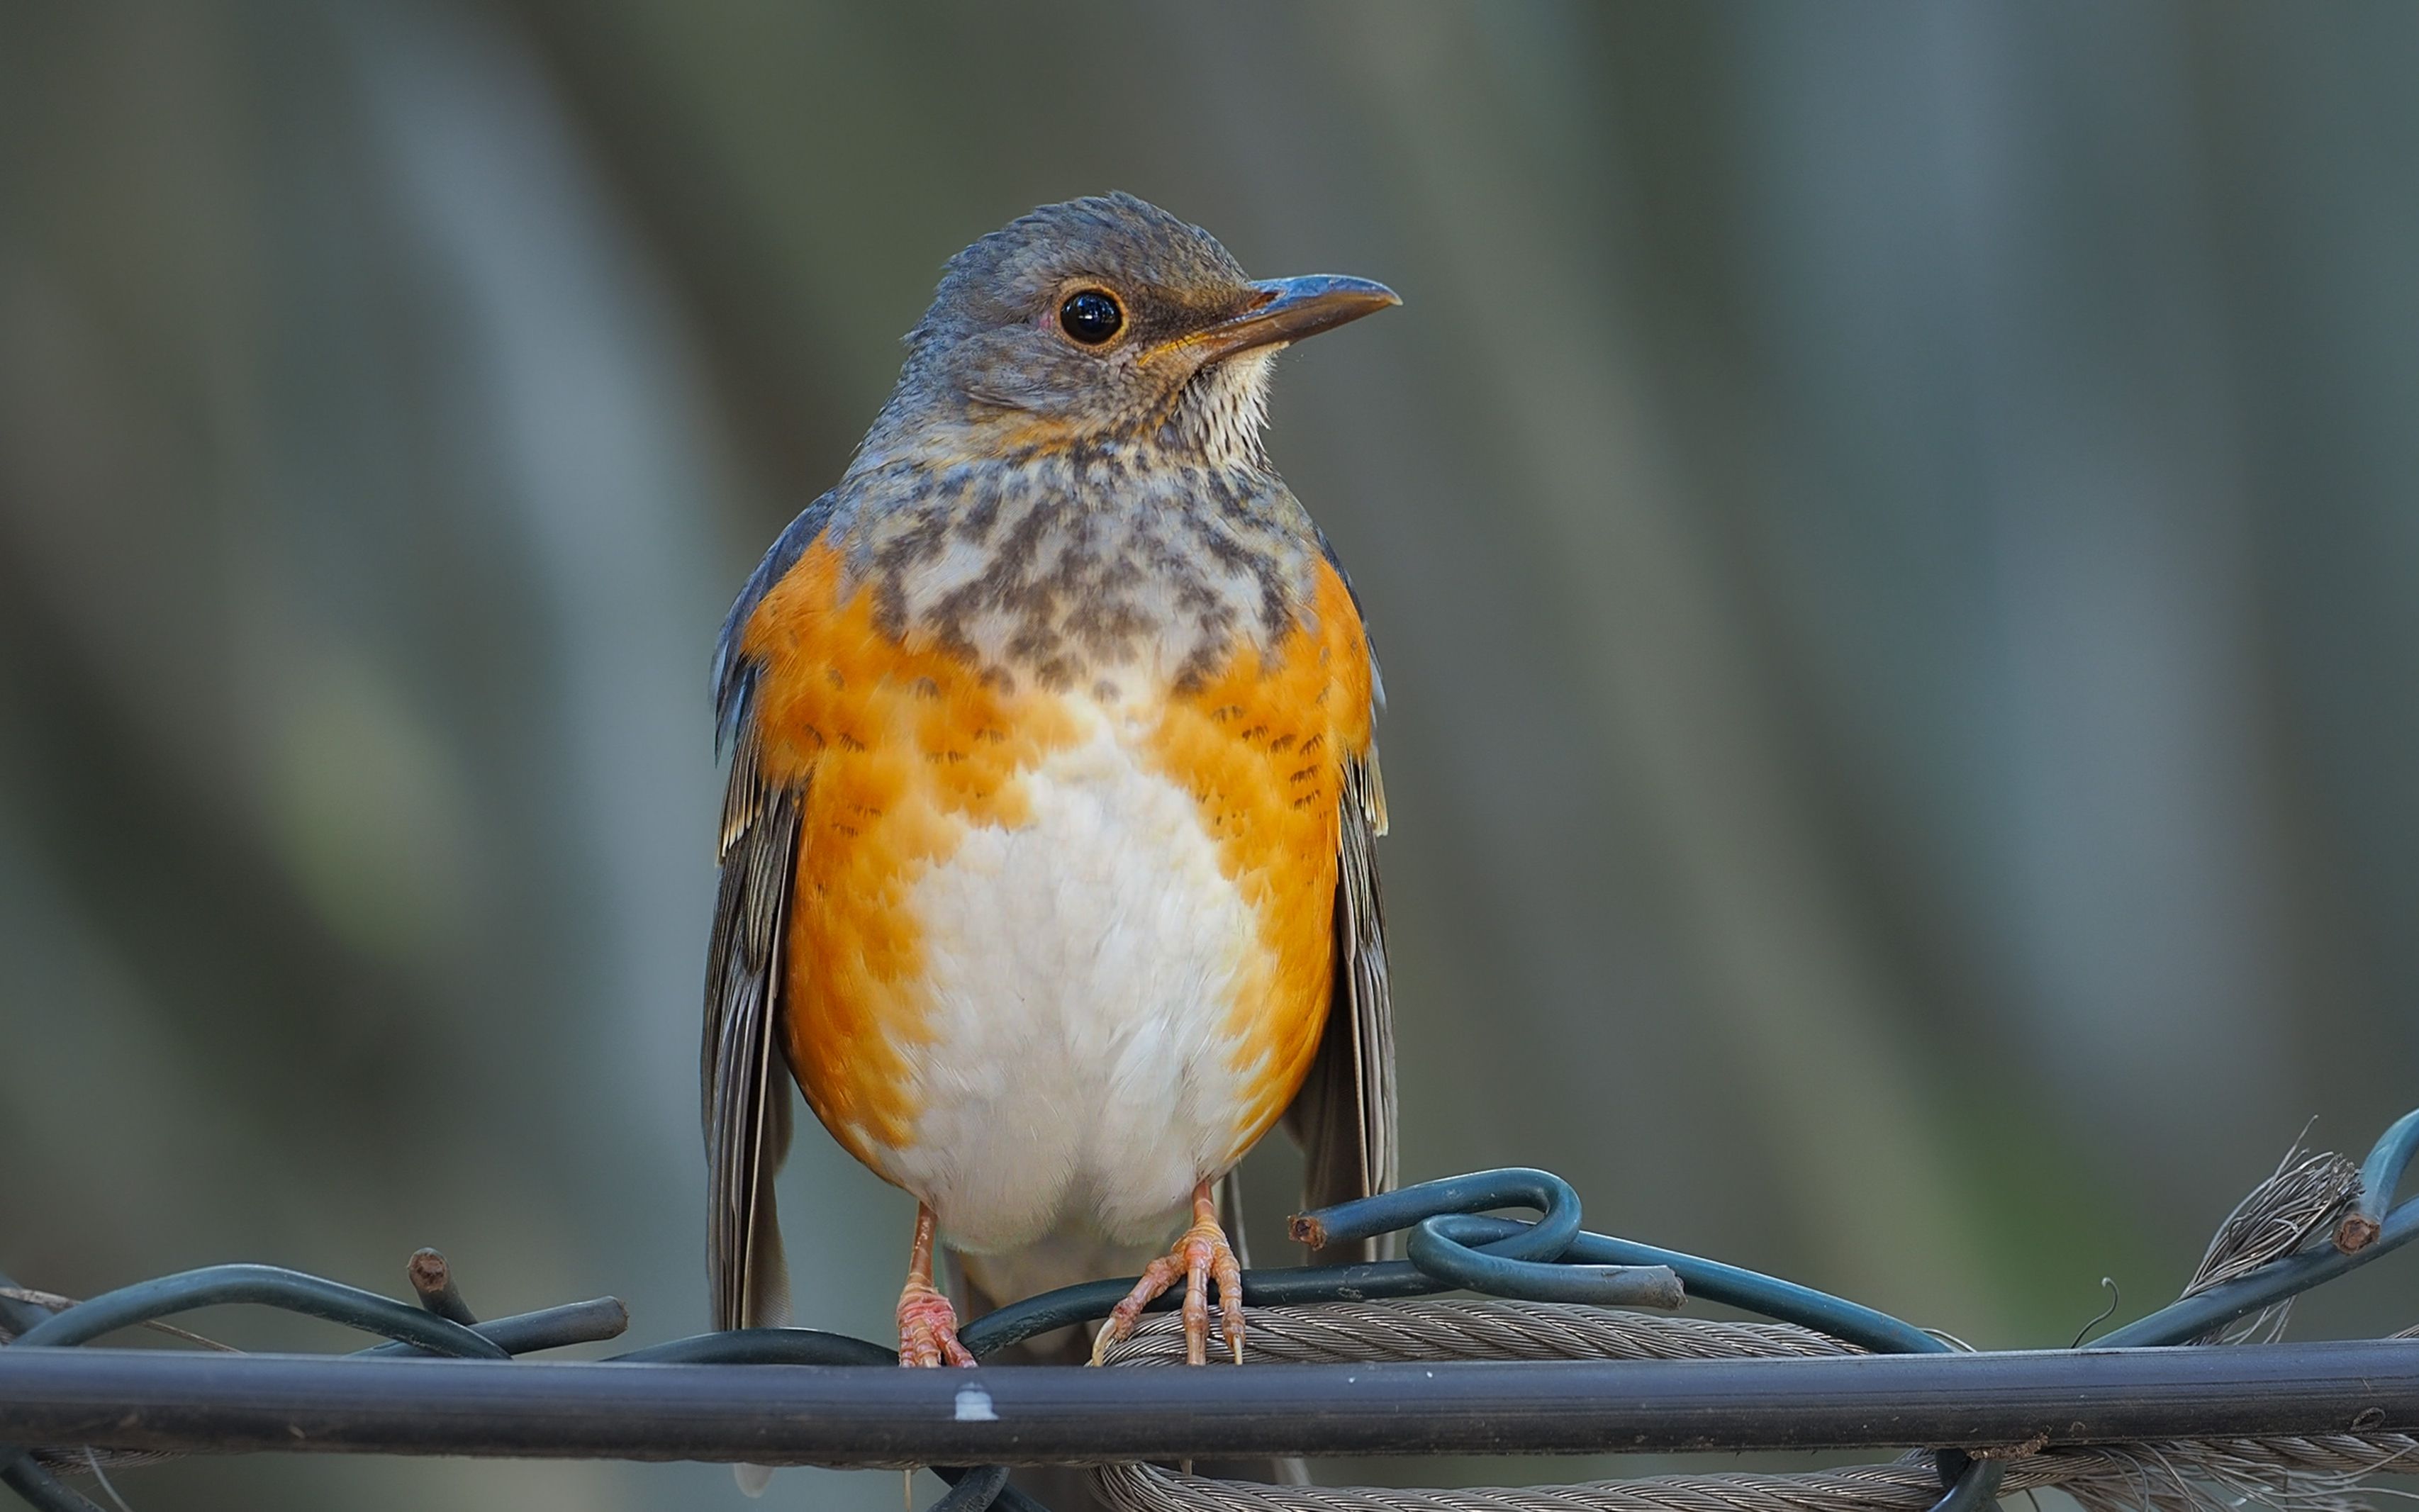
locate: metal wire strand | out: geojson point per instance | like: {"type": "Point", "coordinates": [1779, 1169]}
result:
{"type": "Point", "coordinates": [2293, 1475]}
{"type": "Point", "coordinates": [1894, 1487]}
{"type": "Point", "coordinates": [1458, 1328]}
{"type": "Point", "coordinates": [2265, 1251]}
{"type": "Point", "coordinates": [68, 1322]}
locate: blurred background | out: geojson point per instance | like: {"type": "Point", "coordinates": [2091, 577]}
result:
{"type": "Point", "coordinates": [1891, 534]}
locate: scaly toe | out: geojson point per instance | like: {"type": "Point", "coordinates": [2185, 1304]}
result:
{"type": "Point", "coordinates": [928, 1330]}
{"type": "Point", "coordinates": [1201, 1258]}
{"type": "Point", "coordinates": [1210, 1258]}
{"type": "Point", "coordinates": [1157, 1277]}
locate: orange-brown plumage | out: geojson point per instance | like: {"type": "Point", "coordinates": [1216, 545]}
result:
{"type": "Point", "coordinates": [1259, 744]}
{"type": "Point", "coordinates": [896, 746]}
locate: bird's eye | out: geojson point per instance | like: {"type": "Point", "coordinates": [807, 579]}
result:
{"type": "Point", "coordinates": [1091, 317]}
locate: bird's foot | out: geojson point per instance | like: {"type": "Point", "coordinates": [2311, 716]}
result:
{"type": "Point", "coordinates": [1199, 1257]}
{"type": "Point", "coordinates": [928, 1327]}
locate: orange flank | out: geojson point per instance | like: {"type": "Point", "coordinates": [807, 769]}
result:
{"type": "Point", "coordinates": [1260, 745]}
{"type": "Point", "coordinates": [899, 747]}
{"type": "Point", "coordinates": [902, 747]}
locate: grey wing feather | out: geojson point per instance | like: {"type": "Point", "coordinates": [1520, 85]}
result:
{"type": "Point", "coordinates": [1344, 1116]}
{"type": "Point", "coordinates": [745, 1107]}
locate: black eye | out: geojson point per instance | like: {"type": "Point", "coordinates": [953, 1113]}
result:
{"type": "Point", "coordinates": [1091, 317]}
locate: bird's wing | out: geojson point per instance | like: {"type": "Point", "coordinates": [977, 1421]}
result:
{"type": "Point", "coordinates": [1344, 1116]}
{"type": "Point", "coordinates": [746, 1106]}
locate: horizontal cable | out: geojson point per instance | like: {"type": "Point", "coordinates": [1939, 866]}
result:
{"type": "Point", "coordinates": [772, 1415]}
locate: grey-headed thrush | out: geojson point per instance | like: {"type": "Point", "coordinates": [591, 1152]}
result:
{"type": "Point", "coordinates": [1047, 851]}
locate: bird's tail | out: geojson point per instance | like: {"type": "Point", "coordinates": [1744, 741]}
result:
{"type": "Point", "coordinates": [766, 1303]}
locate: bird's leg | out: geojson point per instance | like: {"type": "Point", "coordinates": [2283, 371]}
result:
{"type": "Point", "coordinates": [928, 1325]}
{"type": "Point", "coordinates": [1200, 1257]}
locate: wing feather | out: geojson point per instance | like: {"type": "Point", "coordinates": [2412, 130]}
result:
{"type": "Point", "coordinates": [747, 1107]}
{"type": "Point", "coordinates": [1344, 1116]}
{"type": "Point", "coordinates": [745, 1103]}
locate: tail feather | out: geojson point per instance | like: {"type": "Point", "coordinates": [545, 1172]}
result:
{"type": "Point", "coordinates": [766, 1303]}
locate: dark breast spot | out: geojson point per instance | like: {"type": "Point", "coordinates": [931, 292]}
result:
{"type": "Point", "coordinates": [974, 521]}
{"type": "Point", "coordinates": [890, 606]}
{"type": "Point", "coordinates": [917, 541]}
{"type": "Point", "coordinates": [1057, 674]}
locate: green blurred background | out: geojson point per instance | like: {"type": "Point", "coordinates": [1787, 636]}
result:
{"type": "Point", "coordinates": [1891, 532]}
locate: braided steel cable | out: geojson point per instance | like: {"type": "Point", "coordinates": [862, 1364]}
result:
{"type": "Point", "coordinates": [2268, 1249]}
{"type": "Point", "coordinates": [1456, 1328]}
{"type": "Point", "coordinates": [2302, 1475]}
{"type": "Point", "coordinates": [2307, 1474]}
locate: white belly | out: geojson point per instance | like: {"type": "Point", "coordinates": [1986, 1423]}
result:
{"type": "Point", "coordinates": [1078, 1076]}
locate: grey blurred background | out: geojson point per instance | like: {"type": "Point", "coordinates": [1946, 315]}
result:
{"type": "Point", "coordinates": [1891, 532]}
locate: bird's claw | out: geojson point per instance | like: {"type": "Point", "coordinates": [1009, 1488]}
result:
{"type": "Point", "coordinates": [1201, 1256]}
{"type": "Point", "coordinates": [928, 1329]}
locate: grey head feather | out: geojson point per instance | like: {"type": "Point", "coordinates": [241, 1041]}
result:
{"type": "Point", "coordinates": [987, 356]}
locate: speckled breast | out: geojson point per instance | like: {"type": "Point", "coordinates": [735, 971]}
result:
{"type": "Point", "coordinates": [1060, 940]}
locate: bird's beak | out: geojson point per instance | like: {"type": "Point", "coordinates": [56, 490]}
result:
{"type": "Point", "coordinates": [1288, 309]}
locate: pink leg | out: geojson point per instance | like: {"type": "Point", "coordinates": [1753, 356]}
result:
{"type": "Point", "coordinates": [928, 1325]}
{"type": "Point", "coordinates": [1199, 1257]}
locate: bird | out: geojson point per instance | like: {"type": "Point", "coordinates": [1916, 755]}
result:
{"type": "Point", "coordinates": [1047, 865]}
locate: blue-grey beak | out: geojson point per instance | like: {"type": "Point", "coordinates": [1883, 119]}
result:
{"type": "Point", "coordinates": [1288, 309]}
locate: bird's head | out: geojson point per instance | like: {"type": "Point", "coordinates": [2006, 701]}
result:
{"type": "Point", "coordinates": [1103, 320]}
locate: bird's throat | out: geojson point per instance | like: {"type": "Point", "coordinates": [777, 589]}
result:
{"type": "Point", "coordinates": [1073, 567]}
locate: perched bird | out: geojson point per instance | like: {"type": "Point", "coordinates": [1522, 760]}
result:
{"type": "Point", "coordinates": [1047, 850]}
